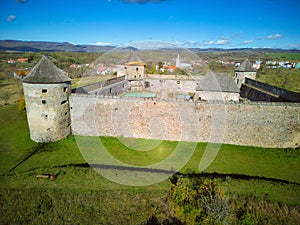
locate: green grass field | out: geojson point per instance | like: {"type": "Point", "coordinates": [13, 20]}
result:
{"type": "Point", "coordinates": [80, 195]}
{"type": "Point", "coordinates": [13, 88]}
{"type": "Point", "coordinates": [284, 56]}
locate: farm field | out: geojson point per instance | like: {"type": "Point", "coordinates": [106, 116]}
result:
{"type": "Point", "coordinates": [247, 174]}
{"type": "Point", "coordinates": [284, 56]}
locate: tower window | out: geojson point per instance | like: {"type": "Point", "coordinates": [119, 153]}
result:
{"type": "Point", "coordinates": [63, 102]}
{"type": "Point", "coordinates": [66, 89]}
{"type": "Point", "coordinates": [43, 101]}
{"type": "Point", "coordinates": [137, 69]}
{"type": "Point", "coordinates": [46, 116]}
{"type": "Point", "coordinates": [66, 113]}
{"type": "Point", "coordinates": [44, 90]}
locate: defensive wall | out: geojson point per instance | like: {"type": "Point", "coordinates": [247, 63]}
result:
{"type": "Point", "coordinates": [242, 123]}
{"type": "Point", "coordinates": [258, 91]}
{"type": "Point", "coordinates": [112, 86]}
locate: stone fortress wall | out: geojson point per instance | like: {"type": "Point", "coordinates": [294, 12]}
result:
{"type": "Point", "coordinates": [249, 123]}
{"type": "Point", "coordinates": [100, 110]}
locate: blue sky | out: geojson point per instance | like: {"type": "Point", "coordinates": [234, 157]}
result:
{"type": "Point", "coordinates": [195, 23]}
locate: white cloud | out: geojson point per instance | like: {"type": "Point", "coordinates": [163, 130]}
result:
{"type": "Point", "coordinates": [259, 38]}
{"type": "Point", "coordinates": [221, 42]}
{"type": "Point", "coordinates": [218, 42]}
{"type": "Point", "coordinates": [177, 43]}
{"type": "Point", "coordinates": [247, 42]}
{"type": "Point", "coordinates": [274, 36]}
{"type": "Point", "coordinates": [209, 42]}
{"type": "Point", "coordinates": [190, 43]}
{"type": "Point", "coordinates": [185, 44]}
{"type": "Point", "coordinates": [103, 43]}
{"type": "Point", "coordinates": [11, 18]}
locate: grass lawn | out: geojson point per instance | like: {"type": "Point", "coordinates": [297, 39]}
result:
{"type": "Point", "coordinates": [79, 192]}
{"type": "Point", "coordinates": [13, 88]}
{"type": "Point", "coordinates": [79, 82]}
{"type": "Point", "coordinates": [284, 56]}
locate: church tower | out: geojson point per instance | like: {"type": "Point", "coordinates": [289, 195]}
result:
{"type": "Point", "coordinates": [46, 91]}
{"type": "Point", "coordinates": [178, 61]}
{"type": "Point", "coordinates": [246, 69]}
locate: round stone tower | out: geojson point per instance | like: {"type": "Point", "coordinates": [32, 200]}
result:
{"type": "Point", "coordinates": [47, 91]}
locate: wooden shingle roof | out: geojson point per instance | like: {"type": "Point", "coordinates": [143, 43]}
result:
{"type": "Point", "coordinates": [45, 72]}
{"type": "Point", "coordinates": [131, 58]}
{"type": "Point", "coordinates": [218, 82]}
{"type": "Point", "coordinates": [246, 66]}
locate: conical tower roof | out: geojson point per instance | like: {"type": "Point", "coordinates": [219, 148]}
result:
{"type": "Point", "coordinates": [45, 72]}
{"type": "Point", "coordinates": [246, 66]}
{"type": "Point", "coordinates": [131, 57]}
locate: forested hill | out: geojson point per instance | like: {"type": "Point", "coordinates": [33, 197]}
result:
{"type": "Point", "coordinates": [38, 46]}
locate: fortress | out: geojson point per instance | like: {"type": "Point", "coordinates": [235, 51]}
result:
{"type": "Point", "coordinates": [178, 108]}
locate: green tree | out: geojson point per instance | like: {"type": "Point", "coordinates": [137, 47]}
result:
{"type": "Point", "coordinates": [21, 103]}
{"type": "Point", "coordinates": [198, 202]}
{"type": "Point", "coordinates": [160, 65]}
{"type": "Point", "coordinates": [5, 96]}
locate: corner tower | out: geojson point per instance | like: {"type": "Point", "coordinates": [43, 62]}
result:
{"type": "Point", "coordinates": [46, 91]}
{"type": "Point", "coordinates": [134, 70]}
{"type": "Point", "coordinates": [244, 70]}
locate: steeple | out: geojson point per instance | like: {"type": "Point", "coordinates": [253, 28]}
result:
{"type": "Point", "coordinates": [178, 61]}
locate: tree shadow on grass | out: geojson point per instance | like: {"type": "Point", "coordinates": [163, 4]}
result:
{"type": "Point", "coordinates": [41, 147]}
{"type": "Point", "coordinates": [223, 176]}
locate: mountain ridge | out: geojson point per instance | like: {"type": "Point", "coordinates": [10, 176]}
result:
{"type": "Point", "coordinates": [49, 46]}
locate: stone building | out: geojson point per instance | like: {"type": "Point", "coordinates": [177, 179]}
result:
{"type": "Point", "coordinates": [244, 70]}
{"type": "Point", "coordinates": [47, 91]}
{"type": "Point", "coordinates": [134, 71]}
{"type": "Point", "coordinates": [217, 87]}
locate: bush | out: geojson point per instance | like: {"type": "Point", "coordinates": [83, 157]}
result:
{"type": "Point", "coordinates": [197, 202]}
{"type": "Point", "coordinates": [21, 103]}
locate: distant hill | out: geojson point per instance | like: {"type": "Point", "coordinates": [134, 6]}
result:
{"type": "Point", "coordinates": [257, 50]}
{"type": "Point", "coordinates": [38, 46]}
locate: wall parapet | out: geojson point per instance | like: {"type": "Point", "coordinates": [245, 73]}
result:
{"type": "Point", "coordinates": [257, 103]}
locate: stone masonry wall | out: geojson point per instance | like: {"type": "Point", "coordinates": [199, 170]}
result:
{"type": "Point", "coordinates": [48, 112]}
{"type": "Point", "coordinates": [252, 124]}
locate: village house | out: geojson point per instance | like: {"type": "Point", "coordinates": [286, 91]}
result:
{"type": "Point", "coordinates": [22, 60]}
{"type": "Point", "coordinates": [11, 61]}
